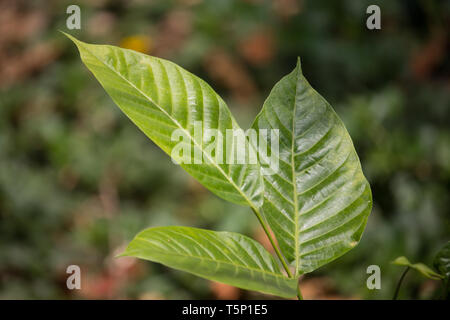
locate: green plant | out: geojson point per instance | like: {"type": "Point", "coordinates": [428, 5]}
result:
{"type": "Point", "coordinates": [441, 263]}
{"type": "Point", "coordinates": [316, 203]}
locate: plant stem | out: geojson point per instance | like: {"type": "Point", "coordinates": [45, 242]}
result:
{"type": "Point", "coordinates": [272, 242]}
{"type": "Point", "coordinates": [299, 294]}
{"type": "Point", "coordinates": [397, 289]}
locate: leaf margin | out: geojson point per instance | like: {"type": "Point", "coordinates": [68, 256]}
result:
{"type": "Point", "coordinates": [288, 286]}
{"type": "Point", "coordinates": [356, 236]}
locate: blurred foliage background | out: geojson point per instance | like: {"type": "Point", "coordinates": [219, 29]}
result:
{"type": "Point", "coordinates": [78, 180]}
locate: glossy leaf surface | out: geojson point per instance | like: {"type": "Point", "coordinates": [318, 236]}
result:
{"type": "Point", "coordinates": [420, 267]}
{"type": "Point", "coordinates": [163, 99]}
{"type": "Point", "coordinates": [226, 257]}
{"type": "Point", "coordinates": [318, 202]}
{"type": "Point", "coordinates": [442, 260]}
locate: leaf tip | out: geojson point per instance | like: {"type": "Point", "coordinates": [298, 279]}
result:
{"type": "Point", "coordinates": [69, 36]}
{"type": "Point", "coordinates": [299, 64]}
{"type": "Point", "coordinates": [74, 40]}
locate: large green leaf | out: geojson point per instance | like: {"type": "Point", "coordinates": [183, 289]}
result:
{"type": "Point", "coordinates": [162, 98]}
{"type": "Point", "coordinates": [220, 256]}
{"type": "Point", "coordinates": [420, 267]}
{"type": "Point", "coordinates": [318, 202]}
{"type": "Point", "coordinates": [442, 260]}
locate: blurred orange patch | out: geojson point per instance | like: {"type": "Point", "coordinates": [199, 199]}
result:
{"type": "Point", "coordinates": [258, 48]}
{"type": "Point", "coordinates": [231, 73]}
{"type": "Point", "coordinates": [224, 291]}
{"type": "Point", "coordinates": [140, 43]}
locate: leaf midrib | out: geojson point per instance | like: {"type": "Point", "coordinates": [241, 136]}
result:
{"type": "Point", "coordinates": [177, 124]}
{"type": "Point", "coordinates": [294, 181]}
{"type": "Point", "coordinates": [213, 260]}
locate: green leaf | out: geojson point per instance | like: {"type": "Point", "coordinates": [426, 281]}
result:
{"type": "Point", "coordinates": [442, 260]}
{"type": "Point", "coordinates": [226, 257]}
{"type": "Point", "coordinates": [318, 202]}
{"type": "Point", "coordinates": [422, 268]}
{"type": "Point", "coordinates": [162, 98]}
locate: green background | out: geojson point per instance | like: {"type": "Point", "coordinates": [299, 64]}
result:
{"type": "Point", "coordinates": [78, 180]}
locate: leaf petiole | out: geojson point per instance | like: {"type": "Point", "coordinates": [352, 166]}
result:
{"type": "Point", "coordinates": [397, 289]}
{"type": "Point", "coordinates": [272, 242]}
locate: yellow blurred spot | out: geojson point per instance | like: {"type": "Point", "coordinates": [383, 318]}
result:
{"type": "Point", "coordinates": [138, 43]}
